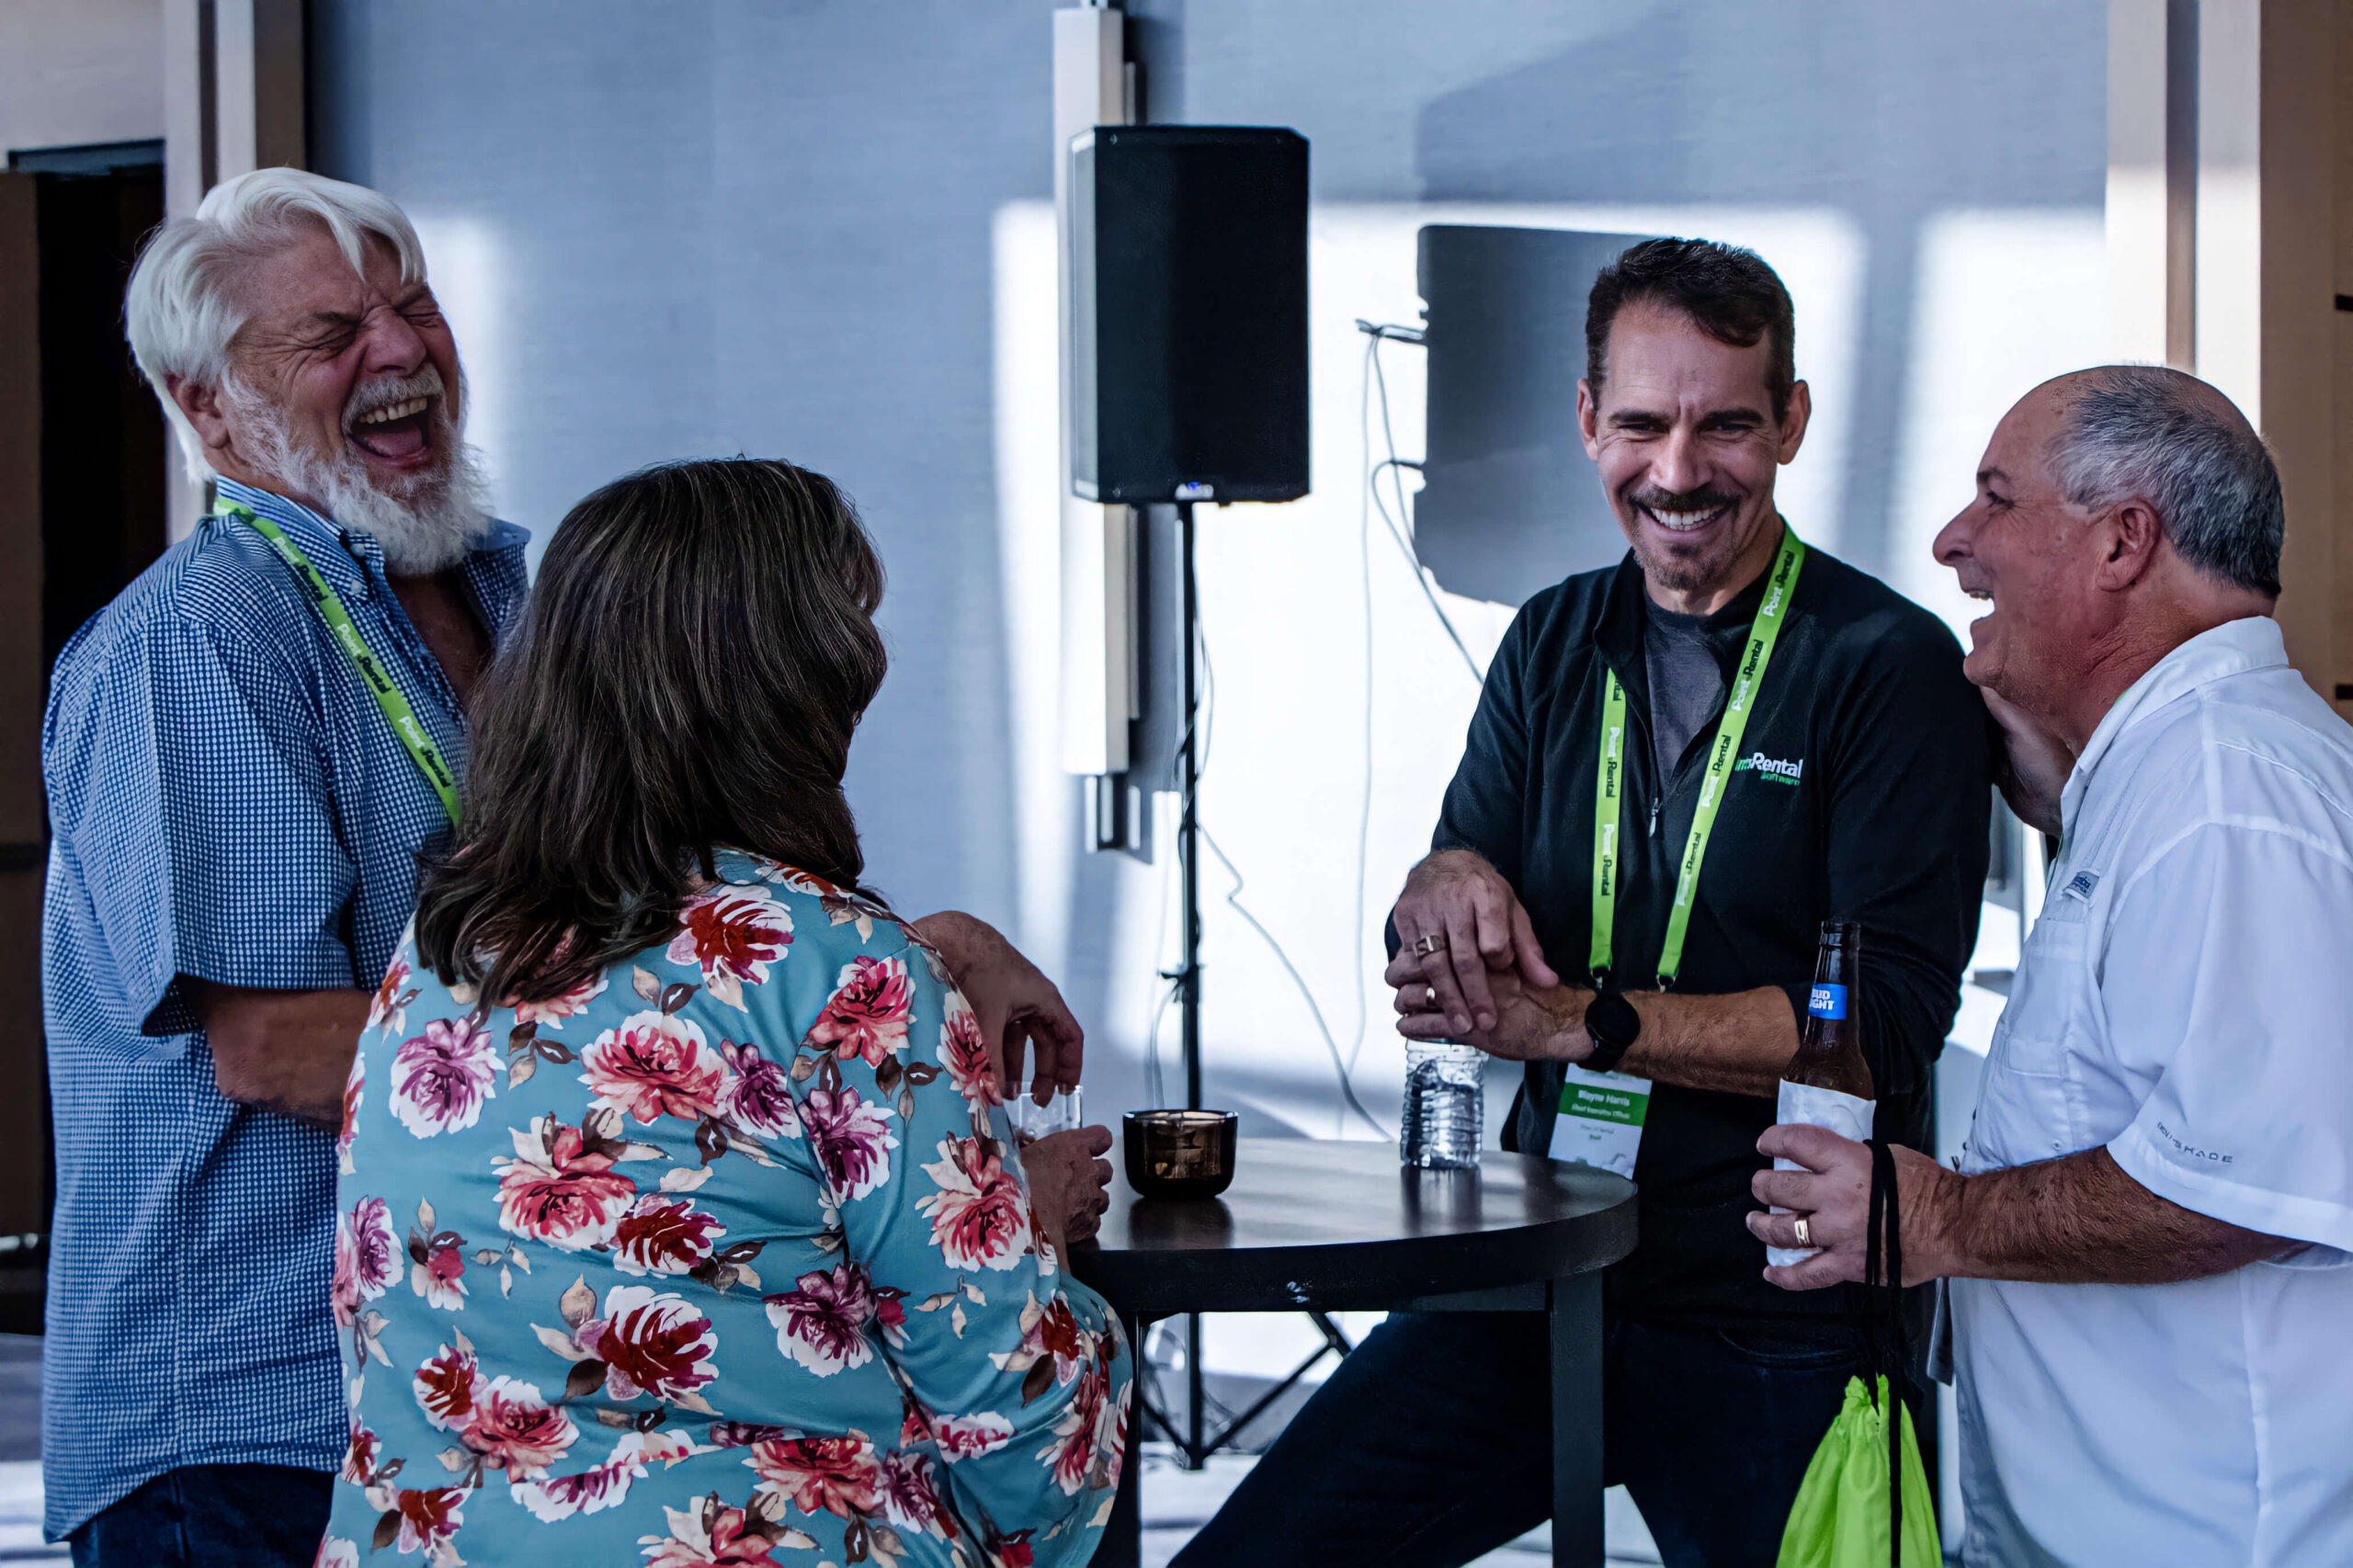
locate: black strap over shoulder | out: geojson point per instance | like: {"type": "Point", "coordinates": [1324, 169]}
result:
{"type": "Point", "coordinates": [1887, 1351]}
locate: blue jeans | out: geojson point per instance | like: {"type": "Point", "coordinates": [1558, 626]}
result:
{"type": "Point", "coordinates": [1431, 1445]}
{"type": "Point", "coordinates": [211, 1516]}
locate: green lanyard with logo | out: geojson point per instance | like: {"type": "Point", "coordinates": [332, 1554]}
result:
{"type": "Point", "coordinates": [1602, 1113]}
{"type": "Point", "coordinates": [406, 727]}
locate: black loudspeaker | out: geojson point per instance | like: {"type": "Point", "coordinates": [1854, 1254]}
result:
{"type": "Point", "coordinates": [1188, 313]}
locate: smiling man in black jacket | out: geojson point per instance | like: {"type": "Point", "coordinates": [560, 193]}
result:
{"type": "Point", "coordinates": [1857, 790]}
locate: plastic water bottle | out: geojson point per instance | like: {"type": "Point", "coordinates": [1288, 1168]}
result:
{"type": "Point", "coordinates": [1445, 1109]}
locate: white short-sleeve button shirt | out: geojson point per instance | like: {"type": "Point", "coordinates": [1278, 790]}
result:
{"type": "Point", "coordinates": [2185, 1001]}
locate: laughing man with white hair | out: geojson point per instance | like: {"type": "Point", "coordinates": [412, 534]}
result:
{"type": "Point", "coordinates": [244, 754]}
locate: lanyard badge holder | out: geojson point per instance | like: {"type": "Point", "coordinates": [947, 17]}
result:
{"type": "Point", "coordinates": [1601, 1114]}
{"type": "Point", "coordinates": [407, 728]}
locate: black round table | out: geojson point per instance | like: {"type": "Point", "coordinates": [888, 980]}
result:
{"type": "Point", "coordinates": [1328, 1227]}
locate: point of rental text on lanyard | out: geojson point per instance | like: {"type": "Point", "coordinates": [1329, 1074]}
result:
{"type": "Point", "coordinates": [406, 727]}
{"type": "Point", "coordinates": [1602, 1113]}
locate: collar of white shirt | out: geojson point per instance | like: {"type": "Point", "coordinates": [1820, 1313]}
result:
{"type": "Point", "coordinates": [2236, 647]}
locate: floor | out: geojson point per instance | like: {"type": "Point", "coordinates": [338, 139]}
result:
{"type": "Point", "coordinates": [1176, 1503]}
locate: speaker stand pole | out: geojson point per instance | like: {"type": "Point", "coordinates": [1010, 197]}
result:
{"type": "Point", "coordinates": [1189, 980]}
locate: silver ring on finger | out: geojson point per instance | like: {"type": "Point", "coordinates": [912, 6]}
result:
{"type": "Point", "coordinates": [1429, 942]}
{"type": "Point", "coordinates": [1429, 997]}
{"type": "Point", "coordinates": [1806, 1237]}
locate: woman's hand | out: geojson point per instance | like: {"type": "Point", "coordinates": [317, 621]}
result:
{"type": "Point", "coordinates": [1017, 1004]}
{"type": "Point", "coordinates": [1068, 1182]}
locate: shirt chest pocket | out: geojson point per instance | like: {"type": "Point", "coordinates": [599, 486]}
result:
{"type": "Point", "coordinates": [2029, 1107]}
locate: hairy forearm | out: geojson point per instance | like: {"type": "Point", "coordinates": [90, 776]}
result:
{"type": "Point", "coordinates": [2078, 1219]}
{"type": "Point", "coordinates": [1737, 1043]}
{"type": "Point", "coordinates": [288, 1051]}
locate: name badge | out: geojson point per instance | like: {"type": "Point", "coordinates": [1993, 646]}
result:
{"type": "Point", "coordinates": [1601, 1119]}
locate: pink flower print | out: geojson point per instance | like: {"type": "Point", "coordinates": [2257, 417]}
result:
{"type": "Point", "coordinates": [516, 1431]}
{"type": "Point", "coordinates": [868, 1014]}
{"type": "Point", "coordinates": [733, 933]}
{"type": "Point", "coordinates": [438, 1278]}
{"type": "Point", "coordinates": [650, 1343]}
{"type": "Point", "coordinates": [556, 1191]}
{"type": "Point", "coordinates": [352, 1086]}
{"type": "Point", "coordinates": [361, 1454]}
{"type": "Point", "coordinates": [852, 1140]}
{"type": "Point", "coordinates": [820, 1475]}
{"type": "Point", "coordinates": [760, 1097]}
{"type": "Point", "coordinates": [711, 1535]}
{"type": "Point", "coordinates": [1071, 1452]}
{"type": "Point", "coordinates": [908, 1495]}
{"type": "Point", "coordinates": [448, 1387]}
{"type": "Point", "coordinates": [364, 1254]}
{"type": "Point", "coordinates": [428, 1520]}
{"type": "Point", "coordinates": [966, 1055]}
{"type": "Point", "coordinates": [968, 1437]}
{"type": "Point", "coordinates": [661, 1234]}
{"type": "Point", "coordinates": [979, 1219]}
{"type": "Point", "coordinates": [441, 1077]}
{"type": "Point", "coordinates": [600, 1486]}
{"type": "Point", "coordinates": [388, 1009]}
{"type": "Point", "coordinates": [821, 1321]}
{"type": "Point", "coordinates": [553, 1012]}
{"type": "Point", "coordinates": [655, 1065]}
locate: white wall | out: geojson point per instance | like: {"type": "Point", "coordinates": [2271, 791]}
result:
{"type": "Point", "coordinates": [80, 71]}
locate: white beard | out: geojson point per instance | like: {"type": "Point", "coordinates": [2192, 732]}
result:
{"type": "Point", "coordinates": [427, 525]}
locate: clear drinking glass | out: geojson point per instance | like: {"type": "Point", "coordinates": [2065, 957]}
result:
{"type": "Point", "coordinates": [1064, 1112]}
{"type": "Point", "coordinates": [1445, 1110]}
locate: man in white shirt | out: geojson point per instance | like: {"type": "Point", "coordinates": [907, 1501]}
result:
{"type": "Point", "coordinates": [2148, 1238]}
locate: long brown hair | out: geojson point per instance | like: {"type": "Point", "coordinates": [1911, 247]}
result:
{"type": "Point", "coordinates": [698, 650]}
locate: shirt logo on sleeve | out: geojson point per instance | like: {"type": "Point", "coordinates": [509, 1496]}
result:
{"type": "Point", "coordinates": [2081, 884]}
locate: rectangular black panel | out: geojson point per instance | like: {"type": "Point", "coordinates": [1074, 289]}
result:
{"type": "Point", "coordinates": [1188, 313]}
{"type": "Point", "coordinates": [1510, 504]}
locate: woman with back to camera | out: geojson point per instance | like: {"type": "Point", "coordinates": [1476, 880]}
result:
{"type": "Point", "coordinates": [680, 1220]}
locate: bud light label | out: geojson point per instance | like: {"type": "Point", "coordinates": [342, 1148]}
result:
{"type": "Point", "coordinates": [1828, 1002]}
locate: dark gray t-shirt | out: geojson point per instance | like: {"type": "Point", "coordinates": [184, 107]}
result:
{"type": "Point", "coordinates": [1686, 681]}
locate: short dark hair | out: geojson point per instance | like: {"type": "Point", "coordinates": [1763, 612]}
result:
{"type": "Point", "coordinates": [1726, 291]}
{"type": "Point", "coordinates": [697, 652]}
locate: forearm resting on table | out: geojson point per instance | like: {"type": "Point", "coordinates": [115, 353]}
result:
{"type": "Point", "coordinates": [1736, 1043]}
{"type": "Point", "coordinates": [2078, 1219]}
{"type": "Point", "coordinates": [284, 1051]}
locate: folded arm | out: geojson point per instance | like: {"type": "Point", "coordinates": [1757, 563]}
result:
{"type": "Point", "coordinates": [288, 1051]}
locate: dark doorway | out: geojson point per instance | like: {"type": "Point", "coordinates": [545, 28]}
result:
{"type": "Point", "coordinates": [83, 510]}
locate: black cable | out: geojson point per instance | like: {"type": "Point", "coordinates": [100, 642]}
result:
{"type": "Point", "coordinates": [1233, 895]}
{"type": "Point", "coordinates": [1401, 532]}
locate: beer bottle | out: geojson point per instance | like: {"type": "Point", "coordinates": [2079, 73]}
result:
{"type": "Point", "coordinates": [1827, 1084]}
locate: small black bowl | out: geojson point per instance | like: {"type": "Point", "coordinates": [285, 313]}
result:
{"type": "Point", "coordinates": [1178, 1154]}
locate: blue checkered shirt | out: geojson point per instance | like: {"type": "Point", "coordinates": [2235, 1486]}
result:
{"type": "Point", "coordinates": [227, 803]}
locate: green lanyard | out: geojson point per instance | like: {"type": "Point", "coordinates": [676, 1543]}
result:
{"type": "Point", "coordinates": [1610, 774]}
{"type": "Point", "coordinates": [397, 712]}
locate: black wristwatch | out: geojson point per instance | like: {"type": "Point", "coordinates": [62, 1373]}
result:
{"type": "Point", "coordinates": [1613, 1025]}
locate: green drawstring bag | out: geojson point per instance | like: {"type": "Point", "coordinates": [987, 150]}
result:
{"type": "Point", "coordinates": [1840, 1519]}
{"type": "Point", "coordinates": [1850, 1512]}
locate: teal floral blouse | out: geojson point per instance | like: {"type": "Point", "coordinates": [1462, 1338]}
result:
{"type": "Point", "coordinates": [724, 1258]}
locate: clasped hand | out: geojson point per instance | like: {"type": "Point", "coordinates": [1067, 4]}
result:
{"type": "Point", "coordinates": [1468, 967]}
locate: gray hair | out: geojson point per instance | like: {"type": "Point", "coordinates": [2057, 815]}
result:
{"type": "Point", "coordinates": [2165, 438]}
{"type": "Point", "coordinates": [182, 308]}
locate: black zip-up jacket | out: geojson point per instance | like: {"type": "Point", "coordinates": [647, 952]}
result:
{"type": "Point", "coordinates": [1861, 792]}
